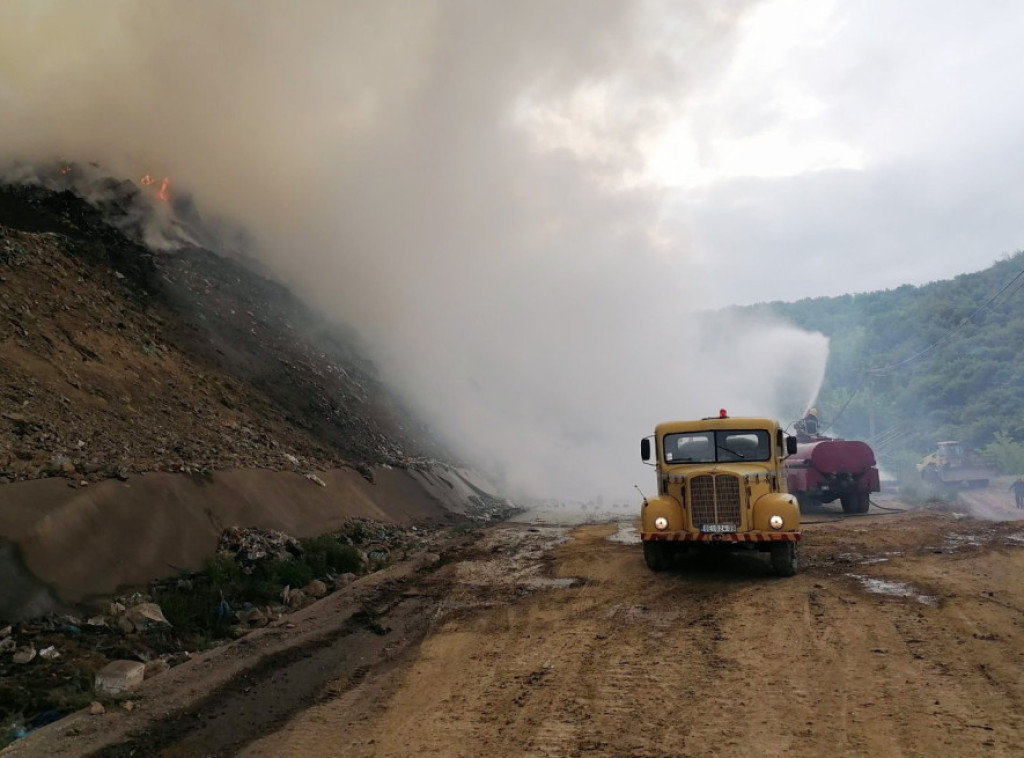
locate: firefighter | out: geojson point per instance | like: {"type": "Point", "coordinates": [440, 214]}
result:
{"type": "Point", "coordinates": [1018, 492]}
{"type": "Point", "coordinates": [811, 423]}
{"type": "Point", "coordinates": [807, 426]}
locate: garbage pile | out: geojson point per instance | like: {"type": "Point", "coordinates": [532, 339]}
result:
{"type": "Point", "coordinates": [250, 547]}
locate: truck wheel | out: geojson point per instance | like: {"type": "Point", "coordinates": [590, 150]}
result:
{"type": "Point", "coordinates": [657, 555]}
{"type": "Point", "coordinates": [784, 560]}
{"type": "Point", "coordinates": [849, 502]}
{"type": "Point", "coordinates": [863, 502]}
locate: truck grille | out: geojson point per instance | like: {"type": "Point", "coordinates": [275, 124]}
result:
{"type": "Point", "coordinates": [715, 499]}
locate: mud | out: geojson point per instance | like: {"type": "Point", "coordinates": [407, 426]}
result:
{"type": "Point", "coordinates": [557, 641]}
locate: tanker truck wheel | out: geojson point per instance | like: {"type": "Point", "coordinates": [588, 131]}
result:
{"type": "Point", "coordinates": [855, 502]}
{"type": "Point", "coordinates": [784, 560]}
{"type": "Point", "coordinates": [657, 555]}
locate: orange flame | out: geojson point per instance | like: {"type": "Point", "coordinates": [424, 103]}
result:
{"type": "Point", "coordinates": [164, 193]}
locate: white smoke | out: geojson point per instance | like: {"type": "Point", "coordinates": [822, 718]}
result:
{"type": "Point", "coordinates": [459, 180]}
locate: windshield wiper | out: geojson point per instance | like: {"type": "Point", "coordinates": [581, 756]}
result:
{"type": "Point", "coordinates": [741, 456]}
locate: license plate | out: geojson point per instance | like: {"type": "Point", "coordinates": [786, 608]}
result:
{"type": "Point", "coordinates": [717, 528]}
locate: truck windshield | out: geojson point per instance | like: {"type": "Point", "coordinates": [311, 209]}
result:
{"type": "Point", "coordinates": [721, 446]}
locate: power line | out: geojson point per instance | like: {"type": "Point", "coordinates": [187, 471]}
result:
{"type": "Point", "coordinates": [863, 381]}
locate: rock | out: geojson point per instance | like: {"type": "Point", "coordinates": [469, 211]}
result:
{"type": "Point", "coordinates": [366, 472]}
{"type": "Point", "coordinates": [96, 621]}
{"type": "Point", "coordinates": [431, 559]}
{"type": "Point", "coordinates": [7, 644]}
{"type": "Point", "coordinates": [118, 677]}
{"type": "Point", "coordinates": [6, 632]}
{"type": "Point", "coordinates": [128, 705]}
{"type": "Point", "coordinates": [49, 653]}
{"type": "Point", "coordinates": [116, 609]}
{"type": "Point", "coordinates": [155, 667]}
{"type": "Point", "coordinates": [25, 654]}
{"type": "Point", "coordinates": [316, 479]}
{"type": "Point", "coordinates": [347, 578]}
{"type": "Point", "coordinates": [146, 616]}
{"type": "Point", "coordinates": [125, 624]}
{"type": "Point", "coordinates": [315, 588]}
{"type": "Point", "coordinates": [96, 708]}
{"type": "Point", "coordinates": [296, 599]}
{"type": "Point", "coordinates": [253, 618]}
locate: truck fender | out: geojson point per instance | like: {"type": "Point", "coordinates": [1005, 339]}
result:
{"type": "Point", "coordinates": [776, 504]}
{"type": "Point", "coordinates": [662, 505]}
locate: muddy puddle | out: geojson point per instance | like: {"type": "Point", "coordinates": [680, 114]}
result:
{"type": "Point", "coordinates": [627, 534]}
{"type": "Point", "coordinates": [517, 560]}
{"type": "Point", "coordinates": [888, 588]}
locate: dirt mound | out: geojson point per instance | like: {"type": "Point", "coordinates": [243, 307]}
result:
{"type": "Point", "coordinates": [115, 359]}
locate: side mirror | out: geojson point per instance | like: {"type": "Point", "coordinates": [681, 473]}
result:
{"type": "Point", "coordinates": [645, 449]}
{"type": "Point", "coordinates": [790, 445]}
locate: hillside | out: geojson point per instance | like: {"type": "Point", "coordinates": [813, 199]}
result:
{"type": "Point", "coordinates": [118, 360]}
{"type": "Point", "coordinates": [938, 361]}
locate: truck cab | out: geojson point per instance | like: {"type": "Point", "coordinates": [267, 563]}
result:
{"type": "Point", "coordinates": [721, 485]}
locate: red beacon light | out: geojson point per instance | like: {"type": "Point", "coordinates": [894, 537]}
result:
{"type": "Point", "coordinates": [723, 414]}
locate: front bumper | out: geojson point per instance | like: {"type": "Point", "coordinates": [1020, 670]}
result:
{"type": "Point", "coordinates": [720, 537]}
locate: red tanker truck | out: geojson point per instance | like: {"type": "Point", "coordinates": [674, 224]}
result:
{"type": "Point", "coordinates": [824, 469]}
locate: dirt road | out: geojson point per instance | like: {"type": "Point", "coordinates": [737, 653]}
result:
{"type": "Point", "coordinates": [902, 636]}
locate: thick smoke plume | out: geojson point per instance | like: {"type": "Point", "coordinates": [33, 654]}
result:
{"type": "Point", "coordinates": [461, 181]}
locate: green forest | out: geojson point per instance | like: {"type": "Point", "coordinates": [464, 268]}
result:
{"type": "Point", "coordinates": [913, 365]}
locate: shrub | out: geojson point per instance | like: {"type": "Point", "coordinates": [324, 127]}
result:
{"type": "Point", "coordinates": [325, 553]}
{"type": "Point", "coordinates": [294, 572]}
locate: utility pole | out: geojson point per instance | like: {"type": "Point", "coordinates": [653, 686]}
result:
{"type": "Point", "coordinates": [871, 408]}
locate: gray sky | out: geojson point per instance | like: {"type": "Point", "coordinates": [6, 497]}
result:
{"type": "Point", "coordinates": [854, 146]}
{"type": "Point", "coordinates": [526, 204]}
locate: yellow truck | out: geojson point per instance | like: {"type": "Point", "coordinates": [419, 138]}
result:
{"type": "Point", "coordinates": [721, 485]}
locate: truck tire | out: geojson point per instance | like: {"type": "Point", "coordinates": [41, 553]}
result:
{"type": "Point", "coordinates": [784, 559]}
{"type": "Point", "coordinates": [856, 502]}
{"type": "Point", "coordinates": [657, 555]}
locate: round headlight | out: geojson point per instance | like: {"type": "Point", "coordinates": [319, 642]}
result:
{"type": "Point", "coordinates": [775, 522]}
{"type": "Point", "coordinates": [661, 522]}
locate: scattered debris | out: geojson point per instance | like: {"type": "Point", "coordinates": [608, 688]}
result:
{"type": "Point", "coordinates": [316, 479]}
{"type": "Point", "coordinates": [250, 547]}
